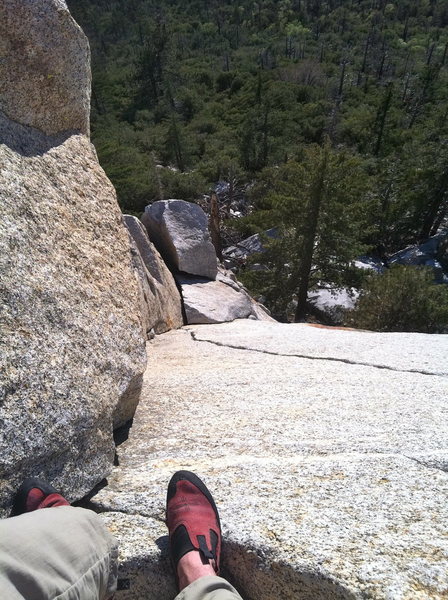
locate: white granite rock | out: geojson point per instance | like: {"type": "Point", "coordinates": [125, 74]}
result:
{"type": "Point", "coordinates": [331, 304]}
{"type": "Point", "coordinates": [237, 255]}
{"type": "Point", "coordinates": [180, 233]}
{"type": "Point", "coordinates": [432, 253]}
{"type": "Point", "coordinates": [219, 301]}
{"type": "Point", "coordinates": [208, 301]}
{"type": "Point", "coordinates": [160, 299]}
{"type": "Point", "coordinates": [416, 352]}
{"type": "Point", "coordinates": [329, 473]}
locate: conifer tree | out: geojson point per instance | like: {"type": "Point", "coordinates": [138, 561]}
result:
{"type": "Point", "coordinates": [320, 207]}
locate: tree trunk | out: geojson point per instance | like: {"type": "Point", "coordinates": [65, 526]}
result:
{"type": "Point", "coordinates": [265, 137]}
{"type": "Point", "coordinates": [444, 54]}
{"type": "Point", "coordinates": [341, 79]}
{"type": "Point", "coordinates": [312, 221]}
{"type": "Point", "coordinates": [436, 206]}
{"type": "Point", "coordinates": [405, 30]}
{"type": "Point", "coordinates": [431, 76]}
{"type": "Point", "coordinates": [321, 54]}
{"type": "Point", "coordinates": [215, 229]}
{"type": "Point", "coordinates": [381, 118]}
{"type": "Point", "coordinates": [443, 213]}
{"type": "Point", "coordinates": [430, 53]}
{"type": "Point", "coordinates": [381, 67]}
{"type": "Point", "coordinates": [364, 60]}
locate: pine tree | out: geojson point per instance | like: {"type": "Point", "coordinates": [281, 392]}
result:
{"type": "Point", "coordinates": [405, 298]}
{"type": "Point", "coordinates": [320, 207]}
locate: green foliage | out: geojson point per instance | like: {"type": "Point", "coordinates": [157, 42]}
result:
{"type": "Point", "coordinates": [187, 93]}
{"type": "Point", "coordinates": [320, 206]}
{"type": "Point", "coordinates": [403, 299]}
{"type": "Point", "coordinates": [253, 82]}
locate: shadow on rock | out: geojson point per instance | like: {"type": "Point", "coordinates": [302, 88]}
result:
{"type": "Point", "coordinates": [144, 576]}
{"type": "Point", "coordinates": [258, 579]}
{"type": "Point", "coordinates": [28, 141]}
{"type": "Point", "coordinates": [147, 576]}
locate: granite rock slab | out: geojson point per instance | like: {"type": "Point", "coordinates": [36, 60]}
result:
{"type": "Point", "coordinates": [330, 475]}
{"type": "Point", "coordinates": [416, 352]}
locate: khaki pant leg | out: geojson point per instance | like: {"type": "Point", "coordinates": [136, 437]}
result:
{"type": "Point", "coordinates": [61, 552]}
{"type": "Point", "coordinates": [209, 588]}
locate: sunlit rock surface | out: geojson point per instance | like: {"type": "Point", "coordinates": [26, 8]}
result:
{"type": "Point", "coordinates": [326, 451]}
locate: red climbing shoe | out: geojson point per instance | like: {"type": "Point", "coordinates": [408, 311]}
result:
{"type": "Point", "coordinates": [192, 519]}
{"type": "Point", "coordinates": [34, 494]}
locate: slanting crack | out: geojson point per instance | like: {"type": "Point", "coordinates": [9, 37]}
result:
{"type": "Point", "coordinates": [110, 509]}
{"type": "Point", "coordinates": [428, 464]}
{"type": "Point", "coordinates": [347, 361]}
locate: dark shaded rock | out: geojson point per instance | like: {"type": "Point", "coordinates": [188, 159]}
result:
{"type": "Point", "coordinates": [160, 299]}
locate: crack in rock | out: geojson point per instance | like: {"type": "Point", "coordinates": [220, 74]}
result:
{"type": "Point", "coordinates": [429, 465]}
{"type": "Point", "coordinates": [346, 361]}
{"type": "Point", "coordinates": [102, 509]}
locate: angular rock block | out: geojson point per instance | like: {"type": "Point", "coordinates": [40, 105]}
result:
{"type": "Point", "coordinates": [179, 232]}
{"type": "Point", "coordinates": [161, 307]}
{"type": "Point", "coordinates": [208, 301]}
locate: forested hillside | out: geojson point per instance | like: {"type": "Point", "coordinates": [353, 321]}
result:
{"type": "Point", "coordinates": [333, 114]}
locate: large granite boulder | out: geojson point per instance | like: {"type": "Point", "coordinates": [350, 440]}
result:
{"type": "Point", "coordinates": [236, 256]}
{"type": "Point", "coordinates": [72, 347]}
{"type": "Point", "coordinates": [432, 253]}
{"type": "Point", "coordinates": [161, 306]}
{"type": "Point", "coordinates": [331, 304]}
{"type": "Point", "coordinates": [180, 233]}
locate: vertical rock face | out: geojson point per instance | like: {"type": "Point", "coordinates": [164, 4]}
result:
{"type": "Point", "coordinates": [71, 340]}
{"type": "Point", "coordinates": [179, 231]}
{"type": "Point", "coordinates": [160, 299]}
